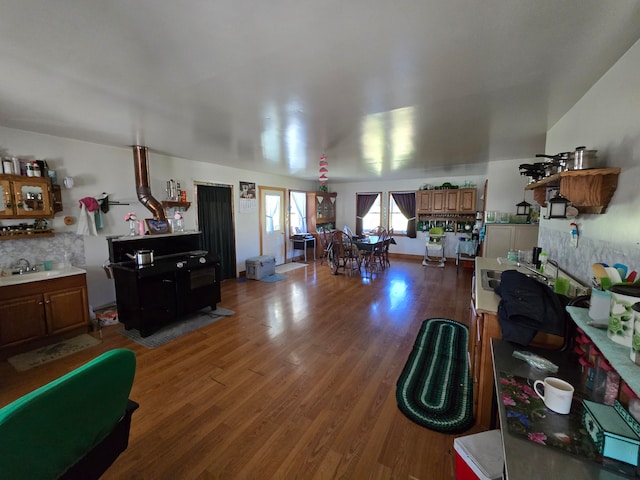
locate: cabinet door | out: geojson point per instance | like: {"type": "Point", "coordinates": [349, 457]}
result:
{"type": "Point", "coordinates": [424, 201]}
{"type": "Point", "coordinates": [439, 202]}
{"type": "Point", "coordinates": [525, 237]}
{"type": "Point", "coordinates": [498, 240]}
{"type": "Point", "coordinates": [6, 199]}
{"type": "Point", "coordinates": [21, 320]}
{"type": "Point", "coordinates": [33, 197]}
{"type": "Point", "coordinates": [65, 309]}
{"type": "Point", "coordinates": [467, 200]}
{"type": "Point", "coordinates": [451, 200]}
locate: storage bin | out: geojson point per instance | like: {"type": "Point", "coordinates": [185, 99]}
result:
{"type": "Point", "coordinates": [260, 267]}
{"type": "Point", "coordinates": [479, 456]}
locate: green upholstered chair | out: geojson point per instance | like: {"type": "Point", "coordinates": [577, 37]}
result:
{"type": "Point", "coordinates": [75, 426]}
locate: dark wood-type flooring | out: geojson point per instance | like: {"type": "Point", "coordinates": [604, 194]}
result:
{"type": "Point", "coordinates": [298, 384]}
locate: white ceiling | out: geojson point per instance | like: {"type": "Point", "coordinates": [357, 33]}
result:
{"type": "Point", "coordinates": [392, 89]}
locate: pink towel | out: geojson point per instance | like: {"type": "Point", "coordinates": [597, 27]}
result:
{"type": "Point", "coordinates": [90, 203]}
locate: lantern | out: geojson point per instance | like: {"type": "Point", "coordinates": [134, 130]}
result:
{"type": "Point", "coordinates": [523, 208]}
{"type": "Point", "coordinates": [558, 207]}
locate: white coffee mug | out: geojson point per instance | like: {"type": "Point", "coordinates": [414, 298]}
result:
{"type": "Point", "coordinates": [557, 394]}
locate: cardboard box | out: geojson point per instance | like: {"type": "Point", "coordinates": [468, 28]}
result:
{"type": "Point", "coordinates": [614, 431]}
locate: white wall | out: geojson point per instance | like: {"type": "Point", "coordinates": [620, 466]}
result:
{"type": "Point", "coordinates": [505, 188]}
{"type": "Point", "coordinates": [606, 119]}
{"type": "Point", "coordinates": [98, 168]}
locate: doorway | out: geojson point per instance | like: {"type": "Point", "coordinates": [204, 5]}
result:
{"type": "Point", "coordinates": [215, 221]}
{"type": "Point", "coordinates": [272, 225]}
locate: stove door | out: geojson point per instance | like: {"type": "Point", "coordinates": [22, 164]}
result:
{"type": "Point", "coordinates": [198, 288]}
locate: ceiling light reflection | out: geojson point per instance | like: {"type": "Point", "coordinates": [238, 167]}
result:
{"type": "Point", "coordinates": [387, 140]}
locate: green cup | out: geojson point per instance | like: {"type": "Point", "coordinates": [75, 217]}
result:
{"type": "Point", "coordinates": [561, 286]}
{"type": "Point", "coordinates": [48, 264]}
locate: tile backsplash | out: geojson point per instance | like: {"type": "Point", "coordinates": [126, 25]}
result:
{"type": "Point", "coordinates": [37, 250]}
{"type": "Point", "coordinates": [578, 261]}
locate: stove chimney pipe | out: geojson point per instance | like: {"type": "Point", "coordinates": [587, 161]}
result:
{"type": "Point", "coordinates": [141, 168]}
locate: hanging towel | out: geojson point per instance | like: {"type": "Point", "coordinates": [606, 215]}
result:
{"type": "Point", "coordinates": [99, 223]}
{"type": "Point", "coordinates": [86, 222]}
{"type": "Point", "coordinates": [91, 203]}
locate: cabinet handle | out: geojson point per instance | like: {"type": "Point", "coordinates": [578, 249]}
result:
{"type": "Point", "coordinates": [40, 303]}
{"type": "Point", "coordinates": [47, 301]}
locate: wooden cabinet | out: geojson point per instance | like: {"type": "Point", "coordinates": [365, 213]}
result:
{"type": "Point", "coordinates": [502, 237]}
{"type": "Point", "coordinates": [467, 200]}
{"type": "Point", "coordinates": [42, 312]}
{"type": "Point", "coordinates": [424, 201]}
{"type": "Point", "coordinates": [590, 190]}
{"type": "Point", "coordinates": [25, 197]}
{"type": "Point", "coordinates": [321, 209]}
{"type": "Point", "coordinates": [454, 201]}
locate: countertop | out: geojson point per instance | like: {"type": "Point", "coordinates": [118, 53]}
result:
{"type": "Point", "coordinates": [486, 301]}
{"type": "Point", "coordinates": [40, 276]}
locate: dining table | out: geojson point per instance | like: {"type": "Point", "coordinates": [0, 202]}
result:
{"type": "Point", "coordinates": [367, 244]}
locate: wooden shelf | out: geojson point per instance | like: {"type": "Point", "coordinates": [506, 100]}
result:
{"type": "Point", "coordinates": [175, 204]}
{"type": "Point", "coordinates": [29, 233]}
{"type": "Point", "coordinates": [590, 190]}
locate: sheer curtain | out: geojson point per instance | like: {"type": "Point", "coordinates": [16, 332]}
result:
{"type": "Point", "coordinates": [407, 204]}
{"type": "Point", "coordinates": [364, 202]}
{"type": "Point", "coordinates": [299, 203]}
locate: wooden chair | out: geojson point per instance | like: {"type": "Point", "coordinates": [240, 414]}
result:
{"type": "Point", "coordinates": [324, 236]}
{"type": "Point", "coordinates": [343, 253]}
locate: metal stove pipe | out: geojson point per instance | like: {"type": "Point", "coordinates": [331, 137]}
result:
{"type": "Point", "coordinates": [141, 168]}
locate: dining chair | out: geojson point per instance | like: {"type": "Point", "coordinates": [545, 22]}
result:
{"type": "Point", "coordinates": [343, 253]}
{"type": "Point", "coordinates": [325, 239]}
{"type": "Point", "coordinates": [387, 243]}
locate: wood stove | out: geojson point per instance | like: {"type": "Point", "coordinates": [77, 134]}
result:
{"type": "Point", "coordinates": [182, 279]}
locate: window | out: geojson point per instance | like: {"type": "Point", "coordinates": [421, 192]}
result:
{"type": "Point", "coordinates": [272, 213]}
{"type": "Point", "coordinates": [297, 212]}
{"type": "Point", "coordinates": [402, 213]}
{"type": "Point", "coordinates": [371, 216]}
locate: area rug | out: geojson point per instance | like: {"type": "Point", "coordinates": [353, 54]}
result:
{"type": "Point", "coordinates": [177, 329]}
{"type": "Point", "coordinates": [287, 267]}
{"type": "Point", "coordinates": [40, 356]}
{"type": "Point", "coordinates": [435, 387]}
{"type": "Point", "coordinates": [273, 278]}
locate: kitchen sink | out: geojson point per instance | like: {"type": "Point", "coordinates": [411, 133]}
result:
{"type": "Point", "coordinates": [28, 277]}
{"type": "Point", "coordinates": [490, 279]}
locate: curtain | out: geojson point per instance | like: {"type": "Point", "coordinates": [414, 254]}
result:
{"type": "Point", "coordinates": [364, 202]}
{"type": "Point", "coordinates": [215, 220]}
{"type": "Point", "coordinates": [407, 204]}
{"type": "Point", "coordinates": [300, 204]}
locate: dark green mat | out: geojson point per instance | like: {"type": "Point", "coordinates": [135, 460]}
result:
{"type": "Point", "coordinates": [435, 388]}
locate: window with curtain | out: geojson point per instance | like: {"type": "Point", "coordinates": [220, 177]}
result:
{"type": "Point", "coordinates": [402, 213]}
{"type": "Point", "coordinates": [368, 211]}
{"type": "Point", "coordinates": [272, 213]}
{"type": "Point", "coordinates": [297, 212]}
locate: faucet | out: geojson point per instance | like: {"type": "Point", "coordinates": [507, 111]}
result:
{"type": "Point", "coordinates": [533, 270]}
{"type": "Point", "coordinates": [24, 266]}
{"type": "Point", "coordinates": [555, 264]}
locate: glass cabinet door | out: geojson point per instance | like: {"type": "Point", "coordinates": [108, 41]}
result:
{"type": "Point", "coordinates": [33, 197]}
{"type": "Point", "coordinates": [6, 203]}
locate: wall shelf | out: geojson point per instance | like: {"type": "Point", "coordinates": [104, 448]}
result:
{"type": "Point", "coordinates": [590, 190]}
{"type": "Point", "coordinates": [174, 204]}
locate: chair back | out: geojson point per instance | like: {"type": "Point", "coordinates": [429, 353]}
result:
{"type": "Point", "coordinates": [45, 432]}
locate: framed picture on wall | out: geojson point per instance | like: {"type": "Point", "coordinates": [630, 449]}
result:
{"type": "Point", "coordinates": [156, 227]}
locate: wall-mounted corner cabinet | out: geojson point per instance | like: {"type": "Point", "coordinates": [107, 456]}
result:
{"type": "Point", "coordinates": [460, 201]}
{"type": "Point", "coordinates": [590, 190]}
{"type": "Point", "coordinates": [25, 197]}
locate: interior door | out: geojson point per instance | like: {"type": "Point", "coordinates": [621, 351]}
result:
{"type": "Point", "coordinates": [272, 226]}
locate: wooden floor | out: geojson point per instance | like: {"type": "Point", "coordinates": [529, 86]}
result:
{"type": "Point", "coordinates": [298, 384]}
